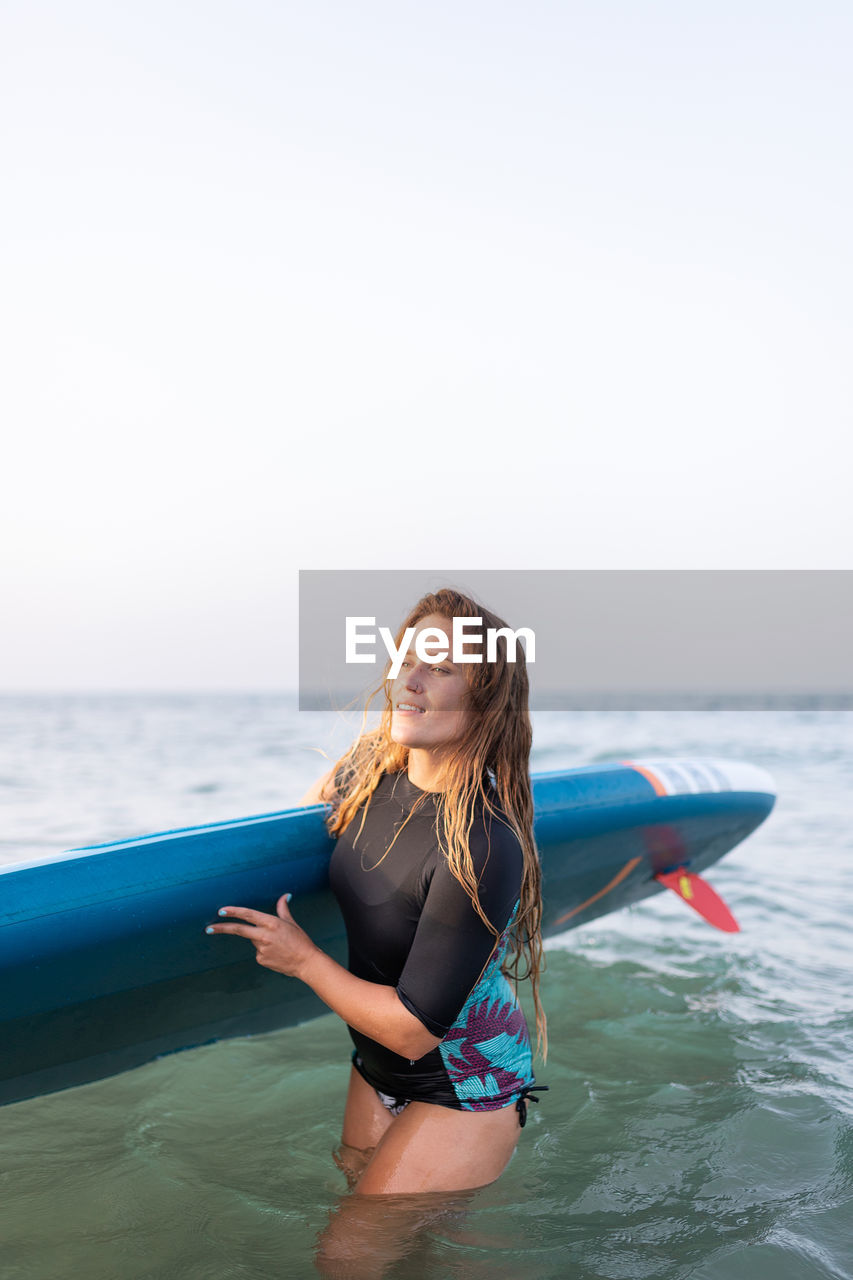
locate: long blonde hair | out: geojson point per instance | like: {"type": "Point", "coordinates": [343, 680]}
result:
{"type": "Point", "coordinates": [493, 752]}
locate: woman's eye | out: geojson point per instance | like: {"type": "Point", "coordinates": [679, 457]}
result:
{"type": "Point", "coordinates": [442, 670]}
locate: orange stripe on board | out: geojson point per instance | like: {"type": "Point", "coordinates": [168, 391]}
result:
{"type": "Point", "coordinates": [617, 879]}
{"type": "Point", "coordinates": [660, 789]}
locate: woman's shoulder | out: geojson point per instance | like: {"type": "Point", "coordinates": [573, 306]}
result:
{"type": "Point", "coordinates": [494, 837]}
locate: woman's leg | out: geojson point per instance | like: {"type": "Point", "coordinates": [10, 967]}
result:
{"type": "Point", "coordinates": [432, 1148]}
{"type": "Point", "coordinates": [365, 1123]}
{"type": "Point", "coordinates": [426, 1164]}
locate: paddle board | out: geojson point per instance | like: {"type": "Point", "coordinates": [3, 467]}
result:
{"type": "Point", "coordinates": [104, 962]}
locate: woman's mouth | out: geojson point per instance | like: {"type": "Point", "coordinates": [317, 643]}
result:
{"type": "Point", "coordinates": [410, 708]}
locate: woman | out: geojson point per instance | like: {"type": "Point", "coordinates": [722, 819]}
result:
{"type": "Point", "coordinates": [438, 880]}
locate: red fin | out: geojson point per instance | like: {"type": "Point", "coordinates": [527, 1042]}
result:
{"type": "Point", "coordinates": [699, 895]}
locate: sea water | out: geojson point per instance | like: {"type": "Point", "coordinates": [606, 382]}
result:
{"type": "Point", "coordinates": [699, 1121]}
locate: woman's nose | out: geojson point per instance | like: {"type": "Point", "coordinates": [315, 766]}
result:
{"type": "Point", "coordinates": [414, 680]}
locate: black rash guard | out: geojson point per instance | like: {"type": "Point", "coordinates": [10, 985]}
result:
{"type": "Point", "coordinates": [411, 925]}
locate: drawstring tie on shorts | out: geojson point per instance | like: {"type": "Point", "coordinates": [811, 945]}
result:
{"type": "Point", "coordinates": [528, 1094]}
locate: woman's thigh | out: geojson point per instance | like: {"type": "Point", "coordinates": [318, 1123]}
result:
{"type": "Point", "coordinates": [365, 1119]}
{"type": "Point", "coordinates": [432, 1148]}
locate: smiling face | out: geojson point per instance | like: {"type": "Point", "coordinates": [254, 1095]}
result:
{"type": "Point", "coordinates": [428, 699]}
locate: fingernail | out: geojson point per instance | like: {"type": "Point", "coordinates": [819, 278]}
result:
{"type": "Point", "coordinates": [222, 911]}
{"type": "Point", "coordinates": [209, 929]}
{"type": "Point", "coordinates": [287, 897]}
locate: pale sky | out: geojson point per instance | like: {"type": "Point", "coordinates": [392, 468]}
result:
{"type": "Point", "coordinates": [389, 285]}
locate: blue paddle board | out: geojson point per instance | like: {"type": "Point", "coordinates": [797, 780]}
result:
{"type": "Point", "coordinates": [104, 962]}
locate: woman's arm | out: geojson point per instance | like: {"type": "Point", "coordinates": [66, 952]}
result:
{"type": "Point", "coordinates": [374, 1010]}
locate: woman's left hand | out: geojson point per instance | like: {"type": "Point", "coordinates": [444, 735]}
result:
{"type": "Point", "coordinates": [279, 942]}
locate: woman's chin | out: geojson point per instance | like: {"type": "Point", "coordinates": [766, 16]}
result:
{"type": "Point", "coordinates": [413, 737]}
{"type": "Point", "coordinates": [403, 736]}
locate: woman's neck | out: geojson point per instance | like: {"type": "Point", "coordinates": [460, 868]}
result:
{"type": "Point", "coordinates": [427, 769]}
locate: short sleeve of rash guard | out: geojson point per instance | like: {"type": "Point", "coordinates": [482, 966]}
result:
{"type": "Point", "coordinates": [452, 945]}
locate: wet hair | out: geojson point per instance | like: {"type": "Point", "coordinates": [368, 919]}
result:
{"type": "Point", "coordinates": [488, 767]}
